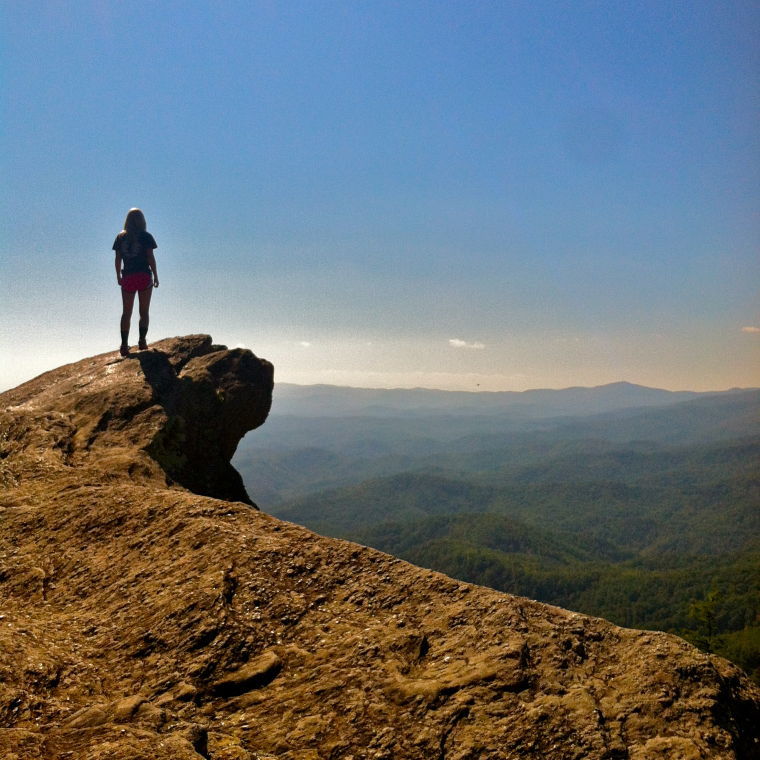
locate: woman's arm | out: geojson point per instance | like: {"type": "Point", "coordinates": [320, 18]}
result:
{"type": "Point", "coordinates": [117, 263]}
{"type": "Point", "coordinates": [152, 265]}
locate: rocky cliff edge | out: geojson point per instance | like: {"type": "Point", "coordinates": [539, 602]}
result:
{"type": "Point", "coordinates": [174, 413]}
{"type": "Point", "coordinates": [144, 618]}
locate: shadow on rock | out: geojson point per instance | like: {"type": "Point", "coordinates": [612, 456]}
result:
{"type": "Point", "coordinates": [212, 397]}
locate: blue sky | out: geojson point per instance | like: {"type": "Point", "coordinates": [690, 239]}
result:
{"type": "Point", "coordinates": [470, 195]}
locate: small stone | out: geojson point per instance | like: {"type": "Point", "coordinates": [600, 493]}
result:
{"type": "Point", "coordinates": [124, 709]}
{"type": "Point", "coordinates": [88, 717]}
{"type": "Point", "coordinates": [254, 675]}
{"type": "Point", "coordinates": [185, 692]}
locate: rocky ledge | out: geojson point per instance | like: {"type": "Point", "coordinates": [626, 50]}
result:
{"type": "Point", "coordinates": [143, 619]}
{"type": "Point", "coordinates": [175, 412]}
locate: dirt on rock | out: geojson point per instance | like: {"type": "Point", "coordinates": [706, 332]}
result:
{"type": "Point", "coordinates": [149, 612]}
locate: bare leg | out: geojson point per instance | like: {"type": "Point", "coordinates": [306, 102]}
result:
{"type": "Point", "coordinates": [128, 301]}
{"type": "Point", "coordinates": [144, 296]}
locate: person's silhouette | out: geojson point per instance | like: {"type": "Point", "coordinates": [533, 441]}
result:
{"type": "Point", "coordinates": [135, 273]}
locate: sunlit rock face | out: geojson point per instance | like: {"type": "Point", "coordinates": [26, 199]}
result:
{"type": "Point", "coordinates": [147, 612]}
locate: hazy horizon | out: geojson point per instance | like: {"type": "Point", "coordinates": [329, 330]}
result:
{"type": "Point", "coordinates": [498, 196]}
{"type": "Point", "coordinates": [527, 390]}
{"type": "Point", "coordinates": [450, 389]}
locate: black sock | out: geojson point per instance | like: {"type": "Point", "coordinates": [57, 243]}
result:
{"type": "Point", "coordinates": [125, 337]}
{"type": "Point", "coordinates": [143, 333]}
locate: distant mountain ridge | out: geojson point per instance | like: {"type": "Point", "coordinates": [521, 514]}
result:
{"type": "Point", "coordinates": [295, 455]}
{"type": "Point", "coordinates": [332, 400]}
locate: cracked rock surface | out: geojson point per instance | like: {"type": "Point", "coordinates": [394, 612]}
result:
{"type": "Point", "coordinates": [148, 612]}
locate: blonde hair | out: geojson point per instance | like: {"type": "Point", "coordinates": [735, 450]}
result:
{"type": "Point", "coordinates": [135, 221]}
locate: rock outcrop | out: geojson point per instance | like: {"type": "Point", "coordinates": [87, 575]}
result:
{"type": "Point", "coordinates": [175, 412]}
{"type": "Point", "coordinates": [141, 618]}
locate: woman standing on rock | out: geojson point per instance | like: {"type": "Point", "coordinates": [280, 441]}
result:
{"type": "Point", "coordinates": [134, 247]}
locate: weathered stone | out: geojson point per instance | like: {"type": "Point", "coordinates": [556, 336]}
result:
{"type": "Point", "coordinates": [176, 410]}
{"type": "Point", "coordinates": [185, 692]}
{"type": "Point", "coordinates": [125, 709]}
{"type": "Point", "coordinates": [87, 717]}
{"type": "Point", "coordinates": [196, 735]}
{"type": "Point", "coordinates": [253, 675]}
{"type": "Point", "coordinates": [116, 580]}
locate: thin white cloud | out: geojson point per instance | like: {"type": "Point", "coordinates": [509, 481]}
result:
{"type": "Point", "coordinates": [751, 329]}
{"type": "Point", "coordinates": [304, 343]}
{"type": "Point", "coordinates": [459, 343]}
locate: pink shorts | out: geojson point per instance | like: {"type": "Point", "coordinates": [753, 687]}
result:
{"type": "Point", "coordinates": [131, 283]}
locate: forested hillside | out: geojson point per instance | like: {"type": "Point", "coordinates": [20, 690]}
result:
{"type": "Point", "coordinates": [298, 455]}
{"type": "Point", "coordinates": [647, 517]}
